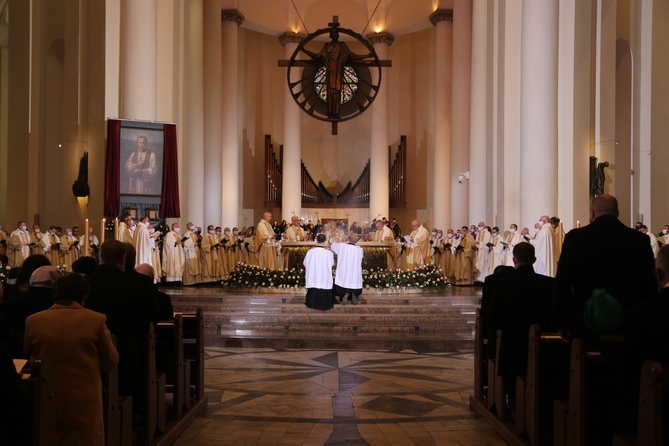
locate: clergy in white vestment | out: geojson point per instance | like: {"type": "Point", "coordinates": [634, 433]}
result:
{"type": "Point", "coordinates": [173, 262]}
{"type": "Point", "coordinates": [543, 247]}
{"type": "Point", "coordinates": [18, 245]}
{"type": "Point", "coordinates": [141, 240]}
{"type": "Point", "coordinates": [510, 241]}
{"type": "Point", "coordinates": [663, 236]}
{"type": "Point", "coordinates": [69, 249]}
{"type": "Point", "coordinates": [154, 238]}
{"type": "Point", "coordinates": [293, 233]}
{"type": "Point", "coordinates": [334, 234]}
{"type": "Point", "coordinates": [483, 238]}
{"type": "Point", "coordinates": [348, 277]}
{"type": "Point", "coordinates": [418, 246]}
{"type": "Point", "coordinates": [497, 251]}
{"type": "Point", "coordinates": [53, 253]}
{"type": "Point", "coordinates": [124, 229]}
{"type": "Point", "coordinates": [318, 263]}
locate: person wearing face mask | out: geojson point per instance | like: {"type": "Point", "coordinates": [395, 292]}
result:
{"type": "Point", "coordinates": [154, 238]}
{"type": "Point", "coordinates": [192, 265]}
{"type": "Point", "coordinates": [544, 249]}
{"type": "Point", "coordinates": [173, 262]}
{"type": "Point", "coordinates": [93, 243]}
{"type": "Point", "coordinates": [141, 240]}
{"type": "Point", "coordinates": [249, 247]}
{"type": "Point", "coordinates": [512, 239]}
{"type": "Point", "coordinates": [447, 263]}
{"type": "Point", "coordinates": [237, 242]}
{"type": "Point", "coordinates": [39, 243]}
{"type": "Point", "coordinates": [418, 246]}
{"type": "Point", "coordinates": [497, 252]}
{"type": "Point", "coordinates": [124, 234]}
{"type": "Point", "coordinates": [210, 248]}
{"type": "Point", "coordinates": [18, 245]}
{"type": "Point", "coordinates": [483, 238]}
{"type": "Point", "coordinates": [53, 253]}
{"type": "Point", "coordinates": [663, 236]}
{"type": "Point", "coordinates": [465, 259]}
{"type": "Point", "coordinates": [436, 247]}
{"type": "Point", "coordinates": [69, 250]}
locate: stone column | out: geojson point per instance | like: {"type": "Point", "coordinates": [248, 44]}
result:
{"type": "Point", "coordinates": [478, 130]}
{"type": "Point", "coordinates": [462, 51]}
{"type": "Point", "coordinates": [212, 102]}
{"type": "Point", "coordinates": [441, 179]}
{"type": "Point", "coordinates": [229, 126]}
{"type": "Point", "coordinates": [195, 131]}
{"type": "Point", "coordinates": [291, 189]}
{"type": "Point", "coordinates": [379, 191]}
{"type": "Point", "coordinates": [139, 59]}
{"type": "Point", "coordinates": [538, 111]}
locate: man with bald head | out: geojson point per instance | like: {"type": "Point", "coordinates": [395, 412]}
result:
{"type": "Point", "coordinates": [418, 246]}
{"type": "Point", "coordinates": [607, 255]}
{"type": "Point", "coordinates": [266, 240]}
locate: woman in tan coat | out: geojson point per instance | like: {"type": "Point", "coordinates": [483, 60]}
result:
{"type": "Point", "coordinates": [79, 346]}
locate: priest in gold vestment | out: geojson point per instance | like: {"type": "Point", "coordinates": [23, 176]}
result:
{"type": "Point", "coordinates": [192, 268]}
{"type": "Point", "coordinates": [465, 259]}
{"type": "Point", "coordinates": [210, 251]}
{"type": "Point", "coordinates": [384, 234]}
{"type": "Point", "coordinates": [53, 253]}
{"type": "Point", "coordinates": [18, 245]}
{"type": "Point", "coordinates": [39, 242]}
{"type": "Point", "coordinates": [266, 241]}
{"type": "Point", "coordinates": [418, 246]}
{"type": "Point", "coordinates": [69, 249]}
{"type": "Point", "coordinates": [293, 233]}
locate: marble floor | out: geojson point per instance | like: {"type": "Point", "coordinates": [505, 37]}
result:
{"type": "Point", "coordinates": [321, 397]}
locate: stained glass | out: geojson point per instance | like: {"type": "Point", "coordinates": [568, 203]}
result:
{"type": "Point", "coordinates": [349, 84]}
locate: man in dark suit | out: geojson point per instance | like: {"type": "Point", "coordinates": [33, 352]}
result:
{"type": "Point", "coordinates": [523, 298]}
{"type": "Point", "coordinates": [115, 295]}
{"type": "Point", "coordinates": [490, 291]}
{"type": "Point", "coordinates": [602, 255]}
{"type": "Point", "coordinates": [646, 339]}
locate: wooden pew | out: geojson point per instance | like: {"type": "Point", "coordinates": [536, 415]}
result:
{"type": "Point", "coordinates": [480, 362]}
{"type": "Point", "coordinates": [546, 380]}
{"type": "Point", "coordinates": [117, 410]}
{"type": "Point", "coordinates": [193, 332]}
{"type": "Point", "coordinates": [43, 408]}
{"type": "Point", "coordinates": [154, 398]}
{"type": "Point", "coordinates": [649, 424]}
{"type": "Point", "coordinates": [570, 417]}
{"type": "Point", "coordinates": [170, 362]}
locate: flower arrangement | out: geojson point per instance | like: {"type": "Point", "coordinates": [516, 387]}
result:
{"type": "Point", "coordinates": [4, 270]}
{"type": "Point", "coordinates": [245, 276]}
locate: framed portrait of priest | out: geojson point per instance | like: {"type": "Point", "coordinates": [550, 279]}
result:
{"type": "Point", "coordinates": [141, 158]}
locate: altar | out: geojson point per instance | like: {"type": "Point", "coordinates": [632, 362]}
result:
{"type": "Point", "coordinates": [375, 254]}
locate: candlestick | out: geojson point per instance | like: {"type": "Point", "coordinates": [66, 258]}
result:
{"type": "Point", "coordinates": [101, 239]}
{"type": "Point", "coordinates": [87, 243]}
{"type": "Point", "coordinates": [578, 223]}
{"type": "Point", "coordinates": [116, 228]}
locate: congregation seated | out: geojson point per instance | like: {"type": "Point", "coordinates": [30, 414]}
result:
{"type": "Point", "coordinates": [38, 297]}
{"type": "Point", "coordinates": [164, 301]}
{"type": "Point", "coordinates": [23, 273]}
{"type": "Point", "coordinates": [116, 295]}
{"type": "Point", "coordinates": [84, 265]}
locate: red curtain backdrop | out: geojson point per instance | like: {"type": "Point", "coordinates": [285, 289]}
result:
{"type": "Point", "coordinates": [112, 169]}
{"type": "Point", "coordinates": [169, 196]}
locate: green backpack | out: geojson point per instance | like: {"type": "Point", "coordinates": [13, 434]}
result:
{"type": "Point", "coordinates": [603, 313]}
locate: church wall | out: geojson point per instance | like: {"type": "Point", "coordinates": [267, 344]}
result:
{"type": "Point", "coordinates": [660, 118]}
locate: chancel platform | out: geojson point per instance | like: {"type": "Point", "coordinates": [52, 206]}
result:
{"type": "Point", "coordinates": [416, 320]}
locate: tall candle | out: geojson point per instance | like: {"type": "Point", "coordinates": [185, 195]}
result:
{"type": "Point", "coordinates": [116, 228]}
{"type": "Point", "coordinates": [578, 223]}
{"type": "Point", "coordinates": [101, 239]}
{"type": "Point", "coordinates": [87, 243]}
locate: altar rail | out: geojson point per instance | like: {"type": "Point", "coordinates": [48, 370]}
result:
{"type": "Point", "coordinates": [354, 194]}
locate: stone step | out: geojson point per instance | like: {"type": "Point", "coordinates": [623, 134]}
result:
{"type": "Point", "coordinates": [418, 321]}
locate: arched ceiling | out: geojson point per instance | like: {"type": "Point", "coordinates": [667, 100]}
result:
{"type": "Point", "coordinates": [397, 17]}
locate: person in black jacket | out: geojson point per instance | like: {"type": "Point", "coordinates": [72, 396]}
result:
{"type": "Point", "coordinates": [607, 255]}
{"type": "Point", "coordinates": [523, 298]}
{"type": "Point", "coordinates": [116, 295]}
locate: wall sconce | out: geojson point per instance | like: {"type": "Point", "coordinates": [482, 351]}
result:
{"type": "Point", "coordinates": [462, 176]}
